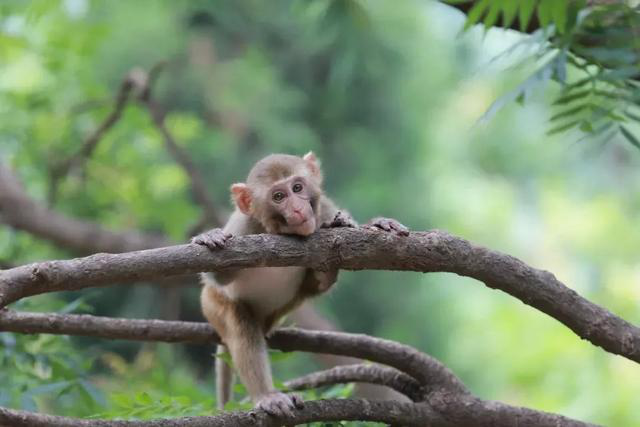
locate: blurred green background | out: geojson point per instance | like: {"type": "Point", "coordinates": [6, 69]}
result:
{"type": "Point", "coordinates": [388, 94]}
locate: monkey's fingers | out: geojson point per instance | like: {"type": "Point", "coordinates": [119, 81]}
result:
{"type": "Point", "coordinates": [399, 228]}
{"type": "Point", "coordinates": [388, 224]}
{"type": "Point", "coordinates": [342, 220]}
{"type": "Point", "coordinates": [279, 404]}
{"type": "Point", "coordinates": [212, 239]}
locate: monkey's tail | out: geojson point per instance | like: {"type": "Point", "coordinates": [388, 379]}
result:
{"type": "Point", "coordinates": [224, 377]}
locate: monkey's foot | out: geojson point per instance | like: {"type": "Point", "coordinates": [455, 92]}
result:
{"type": "Point", "coordinates": [280, 404]}
{"type": "Point", "coordinates": [213, 239]}
{"type": "Point", "coordinates": [341, 219]}
{"type": "Point", "coordinates": [388, 224]}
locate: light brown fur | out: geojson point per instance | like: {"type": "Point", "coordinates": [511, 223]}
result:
{"type": "Point", "coordinates": [244, 305]}
{"type": "Point", "coordinates": [241, 321]}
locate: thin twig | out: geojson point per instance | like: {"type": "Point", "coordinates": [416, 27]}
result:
{"type": "Point", "coordinates": [62, 168]}
{"type": "Point", "coordinates": [144, 81]}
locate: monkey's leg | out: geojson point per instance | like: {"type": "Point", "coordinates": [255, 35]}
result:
{"type": "Point", "coordinates": [248, 347]}
{"type": "Point", "coordinates": [224, 378]}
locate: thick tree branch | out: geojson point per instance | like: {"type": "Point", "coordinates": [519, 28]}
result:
{"type": "Point", "coordinates": [441, 389]}
{"type": "Point", "coordinates": [352, 249]}
{"type": "Point", "coordinates": [363, 373]}
{"type": "Point", "coordinates": [404, 358]}
{"type": "Point", "coordinates": [20, 211]}
{"type": "Point", "coordinates": [397, 413]}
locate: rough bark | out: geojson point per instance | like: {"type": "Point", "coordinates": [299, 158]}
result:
{"type": "Point", "coordinates": [446, 400]}
{"type": "Point", "coordinates": [397, 413]}
{"type": "Point", "coordinates": [363, 373]}
{"type": "Point", "coordinates": [404, 358]}
{"type": "Point", "coordinates": [353, 249]}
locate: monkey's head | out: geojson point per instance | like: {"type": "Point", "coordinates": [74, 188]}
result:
{"type": "Point", "coordinates": [282, 193]}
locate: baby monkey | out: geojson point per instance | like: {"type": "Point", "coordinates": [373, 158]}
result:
{"type": "Point", "coordinates": [282, 195]}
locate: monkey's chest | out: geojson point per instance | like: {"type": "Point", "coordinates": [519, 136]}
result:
{"type": "Point", "coordinates": [267, 289]}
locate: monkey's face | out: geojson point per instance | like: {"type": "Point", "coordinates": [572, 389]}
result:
{"type": "Point", "coordinates": [282, 193]}
{"type": "Point", "coordinates": [292, 202]}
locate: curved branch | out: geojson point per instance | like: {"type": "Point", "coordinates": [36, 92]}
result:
{"type": "Point", "coordinates": [404, 358]}
{"type": "Point", "coordinates": [373, 374]}
{"type": "Point", "coordinates": [450, 400]}
{"type": "Point", "coordinates": [352, 249]}
{"type": "Point", "coordinates": [399, 413]}
{"type": "Point", "coordinates": [427, 370]}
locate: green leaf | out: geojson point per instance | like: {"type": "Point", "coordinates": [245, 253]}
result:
{"type": "Point", "coordinates": [509, 11]}
{"type": "Point", "coordinates": [122, 399]}
{"type": "Point", "coordinates": [632, 116]}
{"type": "Point", "coordinates": [579, 83]}
{"type": "Point", "coordinates": [562, 128]}
{"type": "Point", "coordinates": [565, 99]}
{"type": "Point", "coordinates": [144, 398]}
{"type": "Point", "coordinates": [226, 356]}
{"type": "Point", "coordinates": [522, 91]}
{"type": "Point", "coordinates": [475, 14]}
{"type": "Point", "coordinates": [279, 356]}
{"type": "Point", "coordinates": [586, 127]}
{"type": "Point", "coordinates": [526, 11]}
{"type": "Point", "coordinates": [568, 113]}
{"type": "Point", "coordinates": [492, 15]}
{"type": "Point", "coordinates": [544, 12]}
{"type": "Point", "coordinates": [630, 137]}
{"type": "Point", "coordinates": [559, 14]}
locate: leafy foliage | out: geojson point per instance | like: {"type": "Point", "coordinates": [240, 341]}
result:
{"type": "Point", "coordinates": [40, 371]}
{"type": "Point", "coordinates": [375, 89]}
{"type": "Point", "coordinates": [597, 46]}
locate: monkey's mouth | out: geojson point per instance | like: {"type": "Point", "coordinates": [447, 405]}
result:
{"type": "Point", "coordinates": [297, 221]}
{"type": "Point", "coordinates": [303, 228]}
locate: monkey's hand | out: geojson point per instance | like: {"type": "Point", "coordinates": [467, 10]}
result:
{"type": "Point", "coordinates": [280, 404]}
{"type": "Point", "coordinates": [387, 224]}
{"type": "Point", "coordinates": [342, 219]}
{"type": "Point", "coordinates": [213, 239]}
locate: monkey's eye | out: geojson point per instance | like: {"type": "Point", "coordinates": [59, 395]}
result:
{"type": "Point", "coordinates": [278, 196]}
{"type": "Point", "coordinates": [297, 187]}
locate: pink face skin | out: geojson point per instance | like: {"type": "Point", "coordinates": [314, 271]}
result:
{"type": "Point", "coordinates": [292, 199]}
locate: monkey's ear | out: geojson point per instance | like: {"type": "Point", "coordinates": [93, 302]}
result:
{"type": "Point", "coordinates": [313, 164]}
{"type": "Point", "coordinates": [242, 197]}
